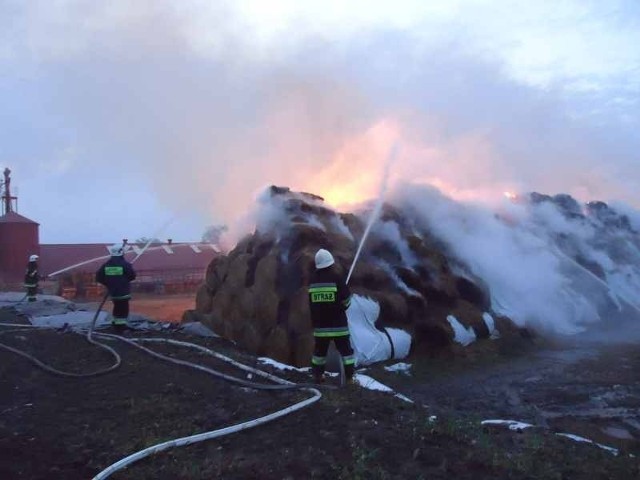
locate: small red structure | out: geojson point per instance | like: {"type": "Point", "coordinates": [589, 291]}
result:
{"type": "Point", "coordinates": [19, 237]}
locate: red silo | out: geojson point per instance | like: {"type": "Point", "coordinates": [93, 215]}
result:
{"type": "Point", "coordinates": [19, 238]}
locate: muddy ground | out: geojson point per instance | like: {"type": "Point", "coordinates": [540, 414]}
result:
{"type": "Point", "coordinates": [165, 308]}
{"type": "Point", "coordinates": [52, 427]}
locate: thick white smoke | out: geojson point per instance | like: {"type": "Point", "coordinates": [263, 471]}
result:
{"type": "Point", "coordinates": [538, 263]}
{"type": "Point", "coordinates": [195, 105]}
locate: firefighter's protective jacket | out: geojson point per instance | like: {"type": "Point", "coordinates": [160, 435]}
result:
{"type": "Point", "coordinates": [329, 298]}
{"type": "Point", "coordinates": [32, 276]}
{"type": "Point", "coordinates": [116, 274]}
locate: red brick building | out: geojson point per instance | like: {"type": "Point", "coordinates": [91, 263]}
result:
{"type": "Point", "coordinates": [69, 269]}
{"type": "Point", "coordinates": [162, 268]}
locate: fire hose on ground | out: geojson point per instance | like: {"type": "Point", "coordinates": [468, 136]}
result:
{"type": "Point", "coordinates": [183, 441]}
{"type": "Point", "coordinates": [281, 384]}
{"type": "Point", "coordinates": [55, 371]}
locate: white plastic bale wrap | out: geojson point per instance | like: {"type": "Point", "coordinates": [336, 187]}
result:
{"type": "Point", "coordinates": [463, 336]}
{"type": "Point", "coordinates": [371, 345]}
{"type": "Point", "coordinates": [491, 325]}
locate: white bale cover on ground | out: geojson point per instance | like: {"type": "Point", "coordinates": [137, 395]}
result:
{"type": "Point", "coordinates": [371, 345]}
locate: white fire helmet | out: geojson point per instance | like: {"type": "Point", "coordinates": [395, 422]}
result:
{"type": "Point", "coordinates": [324, 259]}
{"type": "Point", "coordinates": [116, 250]}
{"type": "Point", "coordinates": [34, 258]}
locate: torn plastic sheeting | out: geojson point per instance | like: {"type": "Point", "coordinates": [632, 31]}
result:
{"type": "Point", "coordinates": [577, 438]}
{"type": "Point", "coordinates": [11, 298]}
{"type": "Point", "coordinates": [463, 336]}
{"type": "Point", "coordinates": [371, 345]}
{"type": "Point", "coordinates": [73, 319]}
{"type": "Point", "coordinates": [365, 381]}
{"type": "Point", "coordinates": [281, 366]}
{"type": "Point", "coordinates": [197, 328]}
{"type": "Point", "coordinates": [491, 325]}
{"type": "Point", "coordinates": [512, 424]}
{"type": "Point", "coordinates": [45, 307]}
{"type": "Point", "coordinates": [400, 367]}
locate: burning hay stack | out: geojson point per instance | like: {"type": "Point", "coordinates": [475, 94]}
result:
{"type": "Point", "coordinates": [257, 294]}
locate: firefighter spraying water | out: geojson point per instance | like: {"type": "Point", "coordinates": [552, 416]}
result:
{"type": "Point", "coordinates": [330, 297]}
{"type": "Point", "coordinates": [31, 278]}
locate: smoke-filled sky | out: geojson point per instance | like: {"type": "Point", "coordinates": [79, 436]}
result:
{"type": "Point", "coordinates": [120, 116]}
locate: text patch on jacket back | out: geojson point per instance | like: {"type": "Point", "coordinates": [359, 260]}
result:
{"type": "Point", "coordinates": [113, 271]}
{"type": "Point", "coordinates": [322, 294]}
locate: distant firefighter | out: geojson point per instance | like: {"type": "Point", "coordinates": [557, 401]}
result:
{"type": "Point", "coordinates": [31, 278]}
{"type": "Point", "coordinates": [329, 299]}
{"type": "Point", "coordinates": [117, 274]}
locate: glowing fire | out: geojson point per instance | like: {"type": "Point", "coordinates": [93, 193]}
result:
{"type": "Point", "coordinates": [457, 168]}
{"type": "Point", "coordinates": [354, 173]}
{"type": "Point", "coordinates": [342, 197]}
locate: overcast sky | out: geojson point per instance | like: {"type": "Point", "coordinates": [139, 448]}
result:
{"type": "Point", "coordinates": [119, 117]}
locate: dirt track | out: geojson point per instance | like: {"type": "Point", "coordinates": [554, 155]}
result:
{"type": "Point", "coordinates": [586, 389]}
{"type": "Point", "coordinates": [166, 308]}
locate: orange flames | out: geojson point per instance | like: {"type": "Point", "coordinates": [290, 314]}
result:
{"type": "Point", "coordinates": [458, 168]}
{"type": "Point", "coordinates": [354, 174]}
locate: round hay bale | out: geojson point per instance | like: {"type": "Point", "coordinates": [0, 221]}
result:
{"type": "Point", "coordinates": [411, 278]}
{"type": "Point", "coordinates": [506, 326]}
{"type": "Point", "coordinates": [189, 316]}
{"type": "Point", "coordinates": [276, 345]}
{"type": "Point", "coordinates": [237, 274]}
{"type": "Point", "coordinates": [238, 324]}
{"type": "Point", "coordinates": [470, 316]}
{"type": "Point", "coordinates": [302, 350]}
{"type": "Point", "coordinates": [393, 309]}
{"type": "Point", "coordinates": [226, 330]}
{"type": "Point", "coordinates": [354, 224]}
{"type": "Point", "coordinates": [204, 302]}
{"type": "Point", "coordinates": [216, 273]}
{"type": "Point", "coordinates": [303, 236]}
{"type": "Point", "coordinates": [304, 263]}
{"type": "Point", "coordinates": [299, 318]}
{"type": "Point", "coordinates": [267, 271]}
{"type": "Point", "coordinates": [417, 246]}
{"type": "Point", "coordinates": [433, 334]}
{"type": "Point", "coordinates": [212, 321]}
{"type": "Point", "coordinates": [477, 294]}
{"type": "Point", "coordinates": [246, 303]}
{"type": "Point", "coordinates": [442, 293]}
{"type": "Point", "coordinates": [371, 277]}
{"type": "Point", "coordinates": [221, 302]}
{"type": "Point", "coordinates": [266, 310]}
{"type": "Point", "coordinates": [251, 340]}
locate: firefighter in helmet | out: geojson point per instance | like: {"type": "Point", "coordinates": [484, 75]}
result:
{"type": "Point", "coordinates": [31, 278]}
{"type": "Point", "coordinates": [329, 299]}
{"type": "Point", "coordinates": [117, 274]}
